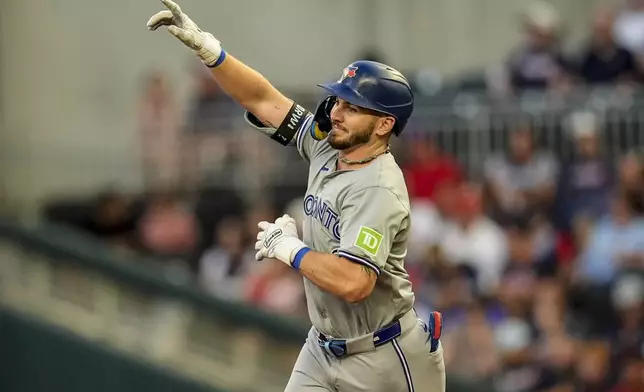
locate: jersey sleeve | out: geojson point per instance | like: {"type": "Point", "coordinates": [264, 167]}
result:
{"type": "Point", "coordinates": [307, 138]}
{"type": "Point", "coordinates": [370, 219]}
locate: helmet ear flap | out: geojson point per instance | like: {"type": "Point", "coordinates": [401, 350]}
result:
{"type": "Point", "coordinates": [323, 113]}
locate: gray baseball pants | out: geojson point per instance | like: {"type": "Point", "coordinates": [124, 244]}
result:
{"type": "Point", "coordinates": [404, 364]}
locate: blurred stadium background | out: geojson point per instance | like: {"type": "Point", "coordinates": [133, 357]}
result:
{"type": "Point", "coordinates": [131, 187]}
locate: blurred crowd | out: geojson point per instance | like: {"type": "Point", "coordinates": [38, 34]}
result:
{"type": "Point", "coordinates": [536, 262]}
{"type": "Point", "coordinates": [612, 53]}
{"type": "Point", "coordinates": [538, 267]}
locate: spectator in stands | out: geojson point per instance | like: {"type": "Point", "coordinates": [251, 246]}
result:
{"type": "Point", "coordinates": [432, 177]}
{"type": "Point", "coordinates": [224, 267]}
{"type": "Point", "coordinates": [469, 347]}
{"type": "Point", "coordinates": [555, 351]}
{"type": "Point", "coordinates": [475, 241]}
{"type": "Point", "coordinates": [159, 126]}
{"type": "Point", "coordinates": [428, 167]}
{"type": "Point", "coordinates": [524, 179]}
{"type": "Point", "coordinates": [514, 341]}
{"type": "Point", "coordinates": [587, 179]}
{"type": "Point", "coordinates": [614, 247]}
{"type": "Point", "coordinates": [208, 137]}
{"type": "Point", "coordinates": [211, 205]}
{"type": "Point", "coordinates": [210, 107]}
{"type": "Point", "coordinates": [257, 165]}
{"type": "Point", "coordinates": [429, 220]}
{"type": "Point", "coordinates": [603, 60]}
{"type": "Point", "coordinates": [629, 27]}
{"type": "Point", "coordinates": [627, 297]}
{"type": "Point", "coordinates": [449, 291]}
{"type": "Point", "coordinates": [616, 242]}
{"type": "Point", "coordinates": [537, 63]}
{"type": "Point", "coordinates": [429, 269]}
{"type": "Point", "coordinates": [527, 255]}
{"type": "Point", "coordinates": [168, 229]}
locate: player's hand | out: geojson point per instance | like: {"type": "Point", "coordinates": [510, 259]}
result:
{"type": "Point", "coordinates": [278, 240]}
{"type": "Point", "coordinates": [207, 47]}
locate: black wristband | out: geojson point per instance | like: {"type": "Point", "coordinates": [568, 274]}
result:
{"type": "Point", "coordinates": [292, 122]}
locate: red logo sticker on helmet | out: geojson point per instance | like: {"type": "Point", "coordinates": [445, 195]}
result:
{"type": "Point", "coordinates": [348, 72]}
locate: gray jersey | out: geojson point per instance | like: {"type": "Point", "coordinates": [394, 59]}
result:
{"type": "Point", "coordinates": [363, 216]}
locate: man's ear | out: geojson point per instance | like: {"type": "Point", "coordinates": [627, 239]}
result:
{"type": "Point", "coordinates": [385, 125]}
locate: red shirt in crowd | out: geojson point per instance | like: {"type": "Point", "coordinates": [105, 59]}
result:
{"type": "Point", "coordinates": [423, 178]}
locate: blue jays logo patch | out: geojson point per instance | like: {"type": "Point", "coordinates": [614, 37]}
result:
{"type": "Point", "coordinates": [348, 72]}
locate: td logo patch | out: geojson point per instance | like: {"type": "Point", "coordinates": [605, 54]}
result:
{"type": "Point", "coordinates": [368, 240]}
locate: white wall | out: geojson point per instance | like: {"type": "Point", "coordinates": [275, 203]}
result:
{"type": "Point", "coordinates": [70, 68]}
{"type": "Point", "coordinates": [452, 35]}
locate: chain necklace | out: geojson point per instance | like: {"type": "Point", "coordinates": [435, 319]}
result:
{"type": "Point", "coordinates": [364, 160]}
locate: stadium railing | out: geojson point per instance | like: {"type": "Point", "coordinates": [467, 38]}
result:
{"type": "Point", "coordinates": [472, 125]}
{"type": "Point", "coordinates": [76, 316]}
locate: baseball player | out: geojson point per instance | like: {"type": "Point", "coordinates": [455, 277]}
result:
{"type": "Point", "coordinates": [366, 335]}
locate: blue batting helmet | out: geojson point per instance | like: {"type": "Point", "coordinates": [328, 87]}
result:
{"type": "Point", "coordinates": [375, 86]}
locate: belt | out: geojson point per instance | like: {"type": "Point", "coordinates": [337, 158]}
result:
{"type": "Point", "coordinates": [342, 347]}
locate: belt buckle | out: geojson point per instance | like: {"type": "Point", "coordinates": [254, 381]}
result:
{"type": "Point", "coordinates": [334, 349]}
{"type": "Point", "coordinates": [331, 346]}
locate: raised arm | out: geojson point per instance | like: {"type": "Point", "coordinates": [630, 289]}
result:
{"type": "Point", "coordinates": [253, 91]}
{"type": "Point", "coordinates": [242, 83]}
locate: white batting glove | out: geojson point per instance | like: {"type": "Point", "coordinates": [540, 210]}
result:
{"type": "Point", "coordinates": [207, 47]}
{"type": "Point", "coordinates": [279, 240]}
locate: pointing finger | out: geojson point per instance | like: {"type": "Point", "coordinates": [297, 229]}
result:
{"type": "Point", "coordinates": [173, 7]}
